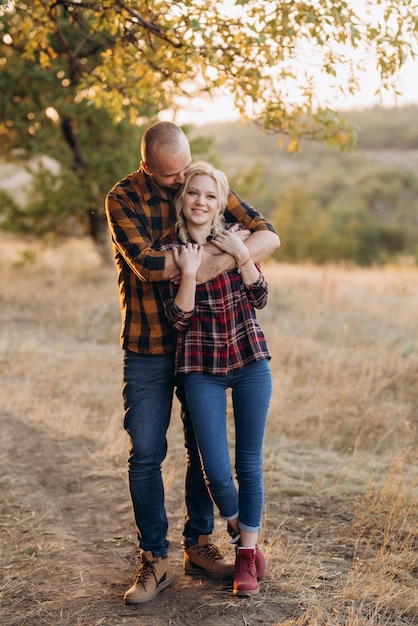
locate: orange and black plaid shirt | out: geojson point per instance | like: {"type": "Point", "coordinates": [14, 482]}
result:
{"type": "Point", "coordinates": [138, 219]}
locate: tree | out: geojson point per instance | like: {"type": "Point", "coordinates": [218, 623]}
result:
{"type": "Point", "coordinates": [134, 56]}
{"type": "Point", "coordinates": [63, 59]}
{"type": "Point", "coordinates": [346, 208]}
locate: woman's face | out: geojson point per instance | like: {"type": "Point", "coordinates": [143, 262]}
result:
{"type": "Point", "coordinates": [201, 200]}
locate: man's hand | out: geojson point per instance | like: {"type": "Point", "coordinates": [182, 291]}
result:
{"type": "Point", "coordinates": [213, 264]}
{"type": "Point", "coordinates": [175, 276]}
{"type": "Point", "coordinates": [243, 233]}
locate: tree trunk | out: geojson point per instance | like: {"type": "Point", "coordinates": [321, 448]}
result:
{"type": "Point", "coordinates": [96, 221]}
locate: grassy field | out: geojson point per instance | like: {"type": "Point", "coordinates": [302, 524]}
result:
{"type": "Point", "coordinates": [341, 514]}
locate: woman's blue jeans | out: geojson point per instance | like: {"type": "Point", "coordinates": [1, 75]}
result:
{"type": "Point", "coordinates": [148, 384]}
{"type": "Point", "coordinates": [206, 400]}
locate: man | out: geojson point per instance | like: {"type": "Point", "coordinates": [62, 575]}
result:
{"type": "Point", "coordinates": [140, 213]}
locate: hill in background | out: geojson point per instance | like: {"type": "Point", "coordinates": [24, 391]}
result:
{"type": "Point", "coordinates": [368, 196]}
{"type": "Point", "coordinates": [379, 130]}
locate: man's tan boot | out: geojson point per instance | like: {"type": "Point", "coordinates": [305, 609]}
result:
{"type": "Point", "coordinates": [205, 559]}
{"type": "Point", "coordinates": [152, 577]}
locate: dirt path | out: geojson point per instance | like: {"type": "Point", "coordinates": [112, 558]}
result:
{"type": "Point", "coordinates": [65, 558]}
{"type": "Point", "coordinates": [339, 527]}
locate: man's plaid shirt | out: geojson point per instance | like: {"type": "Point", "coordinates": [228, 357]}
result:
{"type": "Point", "coordinates": [222, 332]}
{"type": "Point", "coordinates": [138, 219]}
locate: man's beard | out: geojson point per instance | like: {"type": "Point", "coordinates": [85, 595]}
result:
{"type": "Point", "coordinates": [172, 190]}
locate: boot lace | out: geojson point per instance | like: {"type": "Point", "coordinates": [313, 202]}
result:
{"type": "Point", "coordinates": [145, 572]}
{"type": "Point", "coordinates": [244, 565]}
{"type": "Point", "coordinates": [210, 552]}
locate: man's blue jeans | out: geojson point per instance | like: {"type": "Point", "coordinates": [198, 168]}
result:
{"type": "Point", "coordinates": [206, 400]}
{"type": "Point", "coordinates": [148, 384]}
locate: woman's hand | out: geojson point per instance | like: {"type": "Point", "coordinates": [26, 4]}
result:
{"type": "Point", "coordinates": [230, 241]}
{"type": "Point", "coordinates": [188, 258]}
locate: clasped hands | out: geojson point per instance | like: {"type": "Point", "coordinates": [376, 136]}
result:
{"type": "Point", "coordinates": [192, 257]}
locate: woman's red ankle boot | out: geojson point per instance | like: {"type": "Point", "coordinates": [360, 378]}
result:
{"type": "Point", "coordinates": [245, 576]}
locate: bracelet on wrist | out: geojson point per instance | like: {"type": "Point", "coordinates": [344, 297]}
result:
{"type": "Point", "coordinates": [242, 264]}
{"type": "Point", "coordinates": [245, 262]}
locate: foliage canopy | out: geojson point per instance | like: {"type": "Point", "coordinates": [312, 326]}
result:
{"type": "Point", "coordinates": [79, 77]}
{"type": "Point", "coordinates": [134, 57]}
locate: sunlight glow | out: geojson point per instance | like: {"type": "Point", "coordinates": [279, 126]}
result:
{"type": "Point", "coordinates": [329, 91]}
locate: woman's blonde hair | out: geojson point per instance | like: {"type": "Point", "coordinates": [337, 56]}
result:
{"type": "Point", "coordinates": [202, 169]}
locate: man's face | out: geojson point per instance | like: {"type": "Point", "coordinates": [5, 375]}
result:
{"type": "Point", "coordinates": [169, 170]}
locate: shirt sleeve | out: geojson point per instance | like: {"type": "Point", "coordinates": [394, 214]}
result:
{"type": "Point", "coordinates": [178, 318]}
{"type": "Point", "coordinates": [132, 234]}
{"type": "Point", "coordinates": [258, 292]}
{"type": "Point", "coordinates": [239, 211]}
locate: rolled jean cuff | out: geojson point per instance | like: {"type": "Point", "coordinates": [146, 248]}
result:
{"type": "Point", "coordinates": [249, 529]}
{"type": "Point", "coordinates": [230, 517]}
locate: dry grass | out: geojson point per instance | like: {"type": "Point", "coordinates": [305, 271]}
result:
{"type": "Point", "coordinates": [341, 517]}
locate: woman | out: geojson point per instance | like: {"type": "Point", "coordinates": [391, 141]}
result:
{"type": "Point", "coordinates": [220, 345]}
